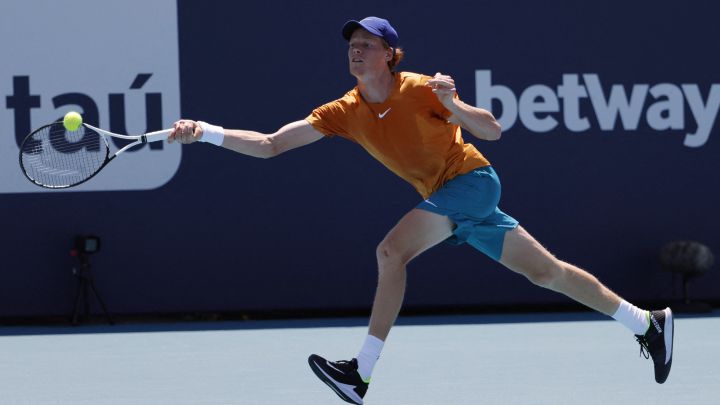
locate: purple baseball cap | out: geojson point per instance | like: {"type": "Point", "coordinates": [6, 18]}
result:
{"type": "Point", "coordinates": [376, 26]}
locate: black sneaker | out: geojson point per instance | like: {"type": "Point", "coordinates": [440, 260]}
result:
{"type": "Point", "coordinates": [341, 376]}
{"type": "Point", "coordinates": [658, 343]}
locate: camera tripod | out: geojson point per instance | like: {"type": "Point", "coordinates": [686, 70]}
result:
{"type": "Point", "coordinates": [85, 285]}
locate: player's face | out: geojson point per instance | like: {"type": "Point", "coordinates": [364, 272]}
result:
{"type": "Point", "coordinates": [367, 54]}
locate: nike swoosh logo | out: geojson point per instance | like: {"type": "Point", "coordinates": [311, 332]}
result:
{"type": "Point", "coordinates": [332, 367]}
{"type": "Point", "coordinates": [381, 116]}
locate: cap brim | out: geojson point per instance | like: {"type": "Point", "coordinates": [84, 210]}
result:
{"type": "Point", "coordinates": [349, 28]}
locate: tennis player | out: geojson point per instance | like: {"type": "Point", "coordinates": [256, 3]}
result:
{"type": "Point", "coordinates": [412, 124]}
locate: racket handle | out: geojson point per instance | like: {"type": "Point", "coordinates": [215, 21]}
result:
{"type": "Point", "coordinates": [157, 135]}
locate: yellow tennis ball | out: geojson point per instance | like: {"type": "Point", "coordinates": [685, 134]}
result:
{"type": "Point", "coordinates": [72, 121]}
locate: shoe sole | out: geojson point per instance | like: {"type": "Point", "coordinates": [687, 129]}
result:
{"type": "Point", "coordinates": [668, 340]}
{"type": "Point", "coordinates": [669, 334]}
{"type": "Point", "coordinates": [351, 396]}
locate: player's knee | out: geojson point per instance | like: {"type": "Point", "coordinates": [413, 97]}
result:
{"type": "Point", "coordinates": [545, 275]}
{"type": "Point", "coordinates": [388, 254]}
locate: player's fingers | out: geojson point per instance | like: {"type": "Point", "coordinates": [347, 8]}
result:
{"type": "Point", "coordinates": [442, 78]}
{"type": "Point", "coordinates": [179, 131]}
{"type": "Point", "coordinates": [187, 129]}
{"type": "Point", "coordinates": [197, 133]}
{"type": "Point", "coordinates": [179, 127]}
{"type": "Point", "coordinates": [182, 128]}
{"type": "Point", "coordinates": [437, 83]}
{"type": "Point", "coordinates": [171, 137]}
{"type": "Point", "coordinates": [188, 134]}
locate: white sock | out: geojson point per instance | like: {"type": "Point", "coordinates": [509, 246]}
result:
{"type": "Point", "coordinates": [632, 317]}
{"type": "Point", "coordinates": [368, 356]}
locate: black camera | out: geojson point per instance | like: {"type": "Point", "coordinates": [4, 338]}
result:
{"type": "Point", "coordinates": [87, 244]}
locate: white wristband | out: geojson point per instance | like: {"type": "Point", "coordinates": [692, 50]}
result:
{"type": "Point", "coordinates": [212, 133]}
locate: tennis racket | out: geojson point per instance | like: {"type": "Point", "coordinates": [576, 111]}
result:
{"type": "Point", "coordinates": [53, 157]}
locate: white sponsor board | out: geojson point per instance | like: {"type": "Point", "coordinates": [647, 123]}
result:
{"type": "Point", "coordinates": [114, 62]}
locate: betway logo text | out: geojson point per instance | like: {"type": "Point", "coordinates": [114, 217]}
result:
{"type": "Point", "coordinates": [662, 105]}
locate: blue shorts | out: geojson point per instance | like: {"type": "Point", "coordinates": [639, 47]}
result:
{"type": "Point", "coordinates": [471, 202]}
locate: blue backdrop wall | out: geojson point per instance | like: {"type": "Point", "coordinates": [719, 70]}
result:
{"type": "Point", "coordinates": [610, 150]}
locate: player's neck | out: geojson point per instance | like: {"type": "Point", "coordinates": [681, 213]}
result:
{"type": "Point", "coordinates": [376, 89]}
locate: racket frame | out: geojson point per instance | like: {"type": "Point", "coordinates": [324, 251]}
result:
{"type": "Point", "coordinates": [139, 140]}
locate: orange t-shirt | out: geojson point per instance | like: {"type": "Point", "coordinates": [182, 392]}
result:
{"type": "Point", "coordinates": [408, 133]}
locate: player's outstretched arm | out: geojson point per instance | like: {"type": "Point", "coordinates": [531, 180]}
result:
{"type": "Point", "coordinates": [251, 143]}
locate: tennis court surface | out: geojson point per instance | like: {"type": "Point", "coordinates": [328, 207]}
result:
{"type": "Point", "coordinates": [566, 358]}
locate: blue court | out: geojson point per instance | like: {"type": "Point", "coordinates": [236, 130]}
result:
{"type": "Point", "coordinates": [554, 359]}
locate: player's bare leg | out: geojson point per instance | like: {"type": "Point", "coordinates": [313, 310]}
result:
{"type": "Point", "coordinates": [524, 255]}
{"type": "Point", "coordinates": [416, 232]}
{"type": "Point", "coordinates": [653, 330]}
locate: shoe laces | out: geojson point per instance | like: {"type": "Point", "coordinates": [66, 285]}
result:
{"type": "Point", "coordinates": [644, 349]}
{"type": "Point", "coordinates": [345, 364]}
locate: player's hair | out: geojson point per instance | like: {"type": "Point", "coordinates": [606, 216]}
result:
{"type": "Point", "coordinates": [397, 57]}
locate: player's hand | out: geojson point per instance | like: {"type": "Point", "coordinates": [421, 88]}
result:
{"type": "Point", "coordinates": [185, 131]}
{"type": "Point", "coordinates": [444, 88]}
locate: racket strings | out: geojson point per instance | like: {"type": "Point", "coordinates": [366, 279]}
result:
{"type": "Point", "coordinates": [54, 157]}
